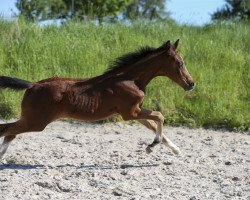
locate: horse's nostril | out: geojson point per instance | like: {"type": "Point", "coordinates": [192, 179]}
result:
{"type": "Point", "coordinates": [192, 84]}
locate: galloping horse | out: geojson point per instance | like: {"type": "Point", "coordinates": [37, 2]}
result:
{"type": "Point", "coordinates": [120, 90]}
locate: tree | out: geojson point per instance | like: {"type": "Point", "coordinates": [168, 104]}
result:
{"type": "Point", "coordinates": [98, 9]}
{"type": "Point", "coordinates": [233, 9]}
{"type": "Point", "coordinates": [147, 9]}
{"type": "Point", "coordinates": [38, 10]}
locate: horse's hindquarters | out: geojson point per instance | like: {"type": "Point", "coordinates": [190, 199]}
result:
{"type": "Point", "coordinates": [41, 105]}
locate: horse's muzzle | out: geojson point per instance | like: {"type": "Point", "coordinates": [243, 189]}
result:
{"type": "Point", "coordinates": [190, 87]}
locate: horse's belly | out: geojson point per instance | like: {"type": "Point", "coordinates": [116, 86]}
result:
{"type": "Point", "coordinates": [90, 115]}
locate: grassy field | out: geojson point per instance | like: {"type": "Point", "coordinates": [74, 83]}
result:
{"type": "Point", "coordinates": [217, 56]}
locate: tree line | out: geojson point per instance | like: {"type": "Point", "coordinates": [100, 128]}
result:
{"type": "Point", "coordinates": [39, 10]}
{"type": "Point", "coordinates": [114, 10]}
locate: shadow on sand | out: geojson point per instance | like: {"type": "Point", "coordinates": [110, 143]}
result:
{"type": "Point", "coordinates": [21, 166]}
{"type": "Point", "coordinates": [15, 166]}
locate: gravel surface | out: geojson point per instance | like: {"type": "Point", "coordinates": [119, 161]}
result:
{"type": "Point", "coordinates": [75, 160]}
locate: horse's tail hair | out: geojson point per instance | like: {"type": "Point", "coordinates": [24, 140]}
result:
{"type": "Point", "coordinates": [14, 83]}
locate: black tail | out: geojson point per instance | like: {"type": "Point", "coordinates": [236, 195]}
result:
{"type": "Point", "coordinates": [14, 83]}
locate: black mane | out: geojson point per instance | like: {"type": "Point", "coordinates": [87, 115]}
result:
{"type": "Point", "coordinates": [130, 58]}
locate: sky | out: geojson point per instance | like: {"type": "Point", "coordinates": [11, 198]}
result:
{"type": "Point", "coordinates": [196, 12]}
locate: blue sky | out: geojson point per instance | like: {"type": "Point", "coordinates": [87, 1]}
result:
{"type": "Point", "coordinates": [184, 11]}
{"type": "Point", "coordinates": [195, 12]}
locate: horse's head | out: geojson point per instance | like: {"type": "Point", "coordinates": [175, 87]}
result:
{"type": "Point", "coordinates": [174, 66]}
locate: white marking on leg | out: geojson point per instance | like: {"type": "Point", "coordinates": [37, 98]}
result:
{"type": "Point", "coordinates": [171, 145]}
{"type": "Point", "coordinates": [158, 136]}
{"type": "Point", "coordinates": [157, 139]}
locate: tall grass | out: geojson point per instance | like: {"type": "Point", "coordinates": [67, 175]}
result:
{"type": "Point", "coordinates": [217, 57]}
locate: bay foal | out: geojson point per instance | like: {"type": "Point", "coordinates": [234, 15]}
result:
{"type": "Point", "coordinates": [120, 90]}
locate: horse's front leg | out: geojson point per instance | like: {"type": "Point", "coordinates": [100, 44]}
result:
{"type": "Point", "coordinates": [137, 113]}
{"type": "Point", "coordinates": [158, 118]}
{"type": "Point", "coordinates": [150, 124]}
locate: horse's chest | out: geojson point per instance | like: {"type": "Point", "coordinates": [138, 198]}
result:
{"type": "Point", "coordinates": [128, 90]}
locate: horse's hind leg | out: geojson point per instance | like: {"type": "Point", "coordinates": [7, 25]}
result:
{"type": "Point", "coordinates": [6, 142]}
{"type": "Point", "coordinates": [9, 132]}
{"type": "Point", "coordinates": [150, 124]}
{"type": "Point", "coordinates": [13, 128]}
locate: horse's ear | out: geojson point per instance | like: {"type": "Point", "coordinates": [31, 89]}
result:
{"type": "Point", "coordinates": [166, 45]}
{"type": "Point", "coordinates": [176, 44]}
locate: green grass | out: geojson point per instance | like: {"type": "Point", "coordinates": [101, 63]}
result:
{"type": "Point", "coordinates": [217, 56]}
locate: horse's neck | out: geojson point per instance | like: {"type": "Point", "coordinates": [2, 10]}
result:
{"type": "Point", "coordinates": [144, 73]}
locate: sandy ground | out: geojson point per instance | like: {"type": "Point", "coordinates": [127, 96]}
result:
{"type": "Point", "coordinates": [108, 161]}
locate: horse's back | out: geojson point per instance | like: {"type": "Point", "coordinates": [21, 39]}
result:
{"type": "Point", "coordinates": [58, 79]}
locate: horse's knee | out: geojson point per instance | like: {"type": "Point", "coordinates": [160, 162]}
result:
{"type": "Point", "coordinates": [159, 117]}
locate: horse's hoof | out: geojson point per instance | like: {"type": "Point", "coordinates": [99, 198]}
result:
{"type": "Point", "coordinates": [177, 151]}
{"type": "Point", "coordinates": [148, 150]}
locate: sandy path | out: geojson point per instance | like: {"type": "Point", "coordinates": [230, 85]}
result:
{"type": "Point", "coordinates": [108, 161]}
